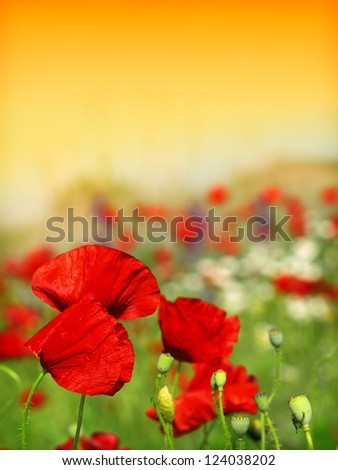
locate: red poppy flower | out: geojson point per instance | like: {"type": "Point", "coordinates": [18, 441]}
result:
{"type": "Point", "coordinates": [12, 344]}
{"type": "Point", "coordinates": [330, 195]}
{"type": "Point", "coordinates": [121, 283]}
{"type": "Point", "coordinates": [195, 407]}
{"type": "Point", "coordinates": [38, 399]}
{"type": "Point", "coordinates": [271, 194]}
{"type": "Point", "coordinates": [294, 285]}
{"type": "Point", "coordinates": [25, 268]}
{"type": "Point", "coordinates": [217, 194]}
{"type": "Point", "coordinates": [85, 350]}
{"type": "Point", "coordinates": [195, 331]}
{"type": "Point", "coordinates": [97, 441]}
{"type": "Point", "coordinates": [21, 316]}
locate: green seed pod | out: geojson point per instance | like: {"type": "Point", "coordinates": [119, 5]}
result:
{"type": "Point", "coordinates": [276, 337]}
{"type": "Point", "coordinates": [166, 404]}
{"type": "Point", "coordinates": [240, 424]}
{"type": "Point", "coordinates": [301, 410]}
{"type": "Point", "coordinates": [164, 363]}
{"type": "Point", "coordinates": [218, 379]}
{"type": "Point", "coordinates": [262, 401]}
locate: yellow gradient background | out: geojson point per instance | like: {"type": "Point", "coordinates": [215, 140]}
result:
{"type": "Point", "coordinates": [160, 94]}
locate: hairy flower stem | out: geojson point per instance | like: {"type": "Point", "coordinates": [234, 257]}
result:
{"type": "Point", "coordinates": [79, 422]}
{"type": "Point", "coordinates": [272, 430]}
{"type": "Point", "coordinates": [168, 436]}
{"type": "Point", "coordinates": [308, 437]}
{"type": "Point", "coordinates": [26, 409]}
{"type": "Point", "coordinates": [262, 431]}
{"type": "Point", "coordinates": [176, 378]}
{"type": "Point", "coordinates": [278, 357]}
{"type": "Point", "coordinates": [226, 433]}
{"type": "Point", "coordinates": [240, 445]}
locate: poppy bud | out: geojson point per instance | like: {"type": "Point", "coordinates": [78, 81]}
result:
{"type": "Point", "coordinates": [164, 363]}
{"type": "Point", "coordinates": [262, 401]}
{"type": "Point", "coordinates": [166, 404]}
{"type": "Point", "coordinates": [218, 379]}
{"type": "Point", "coordinates": [276, 337]}
{"type": "Point", "coordinates": [301, 410]}
{"type": "Point", "coordinates": [240, 424]}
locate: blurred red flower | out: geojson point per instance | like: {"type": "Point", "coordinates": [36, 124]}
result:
{"type": "Point", "coordinates": [97, 441]}
{"type": "Point", "coordinates": [196, 331]}
{"type": "Point", "coordinates": [289, 284]}
{"type": "Point", "coordinates": [85, 350]}
{"type": "Point", "coordinates": [12, 344]}
{"type": "Point", "coordinates": [38, 399]}
{"type": "Point", "coordinates": [21, 316]}
{"type": "Point", "coordinates": [293, 285]}
{"type": "Point", "coordinates": [271, 194]}
{"type": "Point", "coordinates": [195, 407]}
{"type": "Point", "coordinates": [329, 195]}
{"type": "Point", "coordinates": [25, 268]}
{"type": "Point", "coordinates": [121, 283]}
{"type": "Point", "coordinates": [217, 194]}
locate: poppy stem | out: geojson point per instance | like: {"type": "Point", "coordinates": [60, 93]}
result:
{"type": "Point", "coordinates": [176, 378]}
{"type": "Point", "coordinates": [278, 356]}
{"type": "Point", "coordinates": [240, 445]}
{"type": "Point", "coordinates": [14, 376]}
{"type": "Point", "coordinates": [207, 431]}
{"type": "Point", "coordinates": [226, 433]}
{"type": "Point", "coordinates": [168, 437]}
{"type": "Point", "coordinates": [79, 422]}
{"type": "Point", "coordinates": [308, 437]}
{"type": "Point", "coordinates": [262, 431]}
{"type": "Point", "coordinates": [272, 430]}
{"type": "Point", "coordinates": [26, 409]}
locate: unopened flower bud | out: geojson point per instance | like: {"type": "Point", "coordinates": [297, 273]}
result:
{"type": "Point", "coordinates": [218, 379]}
{"type": "Point", "coordinates": [166, 404]}
{"type": "Point", "coordinates": [301, 410]}
{"type": "Point", "coordinates": [276, 337]}
{"type": "Point", "coordinates": [164, 363]}
{"type": "Point", "coordinates": [262, 401]}
{"type": "Point", "coordinates": [240, 424]}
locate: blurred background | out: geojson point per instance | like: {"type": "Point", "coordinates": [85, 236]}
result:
{"type": "Point", "coordinates": [162, 98]}
{"type": "Point", "coordinates": [175, 106]}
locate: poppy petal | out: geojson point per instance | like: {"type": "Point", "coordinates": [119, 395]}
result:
{"type": "Point", "coordinates": [85, 350]}
{"type": "Point", "coordinates": [121, 283]}
{"type": "Point", "coordinates": [196, 331]}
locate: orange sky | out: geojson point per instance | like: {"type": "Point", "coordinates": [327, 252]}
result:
{"type": "Point", "coordinates": [149, 90]}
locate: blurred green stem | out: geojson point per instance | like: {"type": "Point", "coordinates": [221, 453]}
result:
{"type": "Point", "coordinates": [26, 409]}
{"type": "Point", "coordinates": [262, 431]}
{"type": "Point", "coordinates": [207, 431]}
{"type": "Point", "coordinates": [79, 422]}
{"type": "Point", "coordinates": [315, 370]}
{"type": "Point", "coordinates": [14, 376]}
{"type": "Point", "coordinates": [278, 356]}
{"type": "Point", "coordinates": [240, 444]}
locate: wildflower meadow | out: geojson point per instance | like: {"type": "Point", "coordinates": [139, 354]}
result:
{"type": "Point", "coordinates": [204, 326]}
